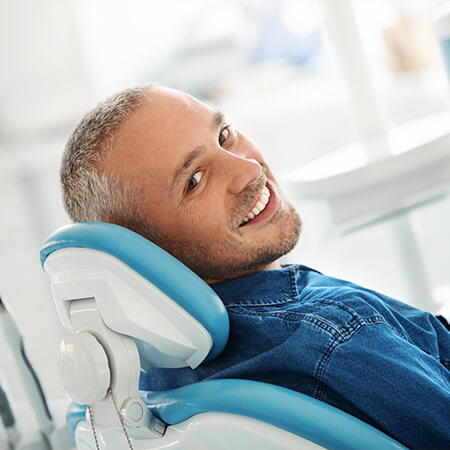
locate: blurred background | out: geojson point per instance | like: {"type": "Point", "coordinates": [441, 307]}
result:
{"type": "Point", "coordinates": [287, 73]}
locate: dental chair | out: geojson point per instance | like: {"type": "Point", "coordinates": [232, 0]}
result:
{"type": "Point", "coordinates": [127, 305]}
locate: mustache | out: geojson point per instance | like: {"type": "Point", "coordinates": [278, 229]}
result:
{"type": "Point", "coordinates": [247, 198]}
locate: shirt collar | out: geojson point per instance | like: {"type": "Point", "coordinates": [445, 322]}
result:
{"type": "Point", "coordinates": [268, 287]}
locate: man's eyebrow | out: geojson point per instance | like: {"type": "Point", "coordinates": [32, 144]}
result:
{"type": "Point", "coordinates": [218, 119]}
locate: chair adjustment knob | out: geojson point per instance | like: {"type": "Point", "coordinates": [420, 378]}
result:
{"type": "Point", "coordinates": [83, 366]}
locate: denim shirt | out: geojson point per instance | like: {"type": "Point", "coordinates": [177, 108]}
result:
{"type": "Point", "coordinates": [374, 357]}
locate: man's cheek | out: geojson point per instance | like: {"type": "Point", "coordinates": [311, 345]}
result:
{"type": "Point", "coordinates": [196, 225]}
{"type": "Point", "coordinates": [211, 228]}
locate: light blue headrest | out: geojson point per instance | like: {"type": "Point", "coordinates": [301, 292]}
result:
{"type": "Point", "coordinates": [153, 263]}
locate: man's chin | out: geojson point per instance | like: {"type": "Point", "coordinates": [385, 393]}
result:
{"type": "Point", "coordinates": [235, 272]}
{"type": "Point", "coordinates": [235, 260]}
{"type": "Point", "coordinates": [274, 265]}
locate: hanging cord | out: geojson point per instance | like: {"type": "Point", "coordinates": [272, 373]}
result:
{"type": "Point", "coordinates": [120, 419]}
{"type": "Point", "coordinates": [91, 417]}
{"type": "Point", "coordinates": [122, 423]}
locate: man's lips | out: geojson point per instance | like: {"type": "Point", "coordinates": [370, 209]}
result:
{"type": "Point", "coordinates": [268, 210]}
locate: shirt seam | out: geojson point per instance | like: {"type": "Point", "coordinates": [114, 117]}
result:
{"type": "Point", "coordinates": [342, 338]}
{"type": "Point", "coordinates": [291, 292]}
{"type": "Point", "coordinates": [293, 275]}
{"type": "Point", "coordinates": [335, 343]}
{"type": "Point", "coordinates": [309, 317]}
{"type": "Point", "coordinates": [291, 297]}
{"type": "Point", "coordinates": [256, 303]}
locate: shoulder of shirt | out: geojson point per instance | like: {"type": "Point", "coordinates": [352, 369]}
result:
{"type": "Point", "coordinates": [338, 304]}
{"type": "Point", "coordinates": [331, 303]}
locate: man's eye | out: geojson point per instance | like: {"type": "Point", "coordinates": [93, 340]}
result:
{"type": "Point", "coordinates": [224, 134]}
{"type": "Point", "coordinates": [195, 180]}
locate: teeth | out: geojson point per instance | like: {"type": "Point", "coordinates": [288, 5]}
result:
{"type": "Point", "coordinates": [260, 205]}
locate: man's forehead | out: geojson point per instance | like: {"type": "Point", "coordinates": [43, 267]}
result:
{"type": "Point", "coordinates": [166, 111]}
{"type": "Point", "coordinates": [163, 94]}
{"type": "Point", "coordinates": [172, 98]}
{"type": "Point", "coordinates": [160, 132]}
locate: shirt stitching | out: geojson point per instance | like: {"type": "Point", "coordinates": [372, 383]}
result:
{"type": "Point", "coordinates": [347, 333]}
{"type": "Point", "coordinates": [288, 281]}
{"type": "Point", "coordinates": [335, 343]}
{"type": "Point", "coordinates": [272, 302]}
{"type": "Point", "coordinates": [293, 316]}
{"type": "Point", "coordinates": [375, 319]}
{"type": "Point", "coordinates": [289, 297]}
{"type": "Point", "coordinates": [293, 274]}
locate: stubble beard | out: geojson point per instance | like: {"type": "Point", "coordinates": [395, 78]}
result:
{"type": "Point", "coordinates": [230, 258]}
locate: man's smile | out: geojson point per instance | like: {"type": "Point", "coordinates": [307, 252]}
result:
{"type": "Point", "coordinates": [258, 206]}
{"type": "Point", "coordinates": [264, 206]}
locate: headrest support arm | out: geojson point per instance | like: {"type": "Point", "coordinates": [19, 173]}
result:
{"type": "Point", "coordinates": [108, 363]}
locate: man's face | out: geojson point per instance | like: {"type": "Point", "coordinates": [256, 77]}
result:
{"type": "Point", "coordinates": [207, 188]}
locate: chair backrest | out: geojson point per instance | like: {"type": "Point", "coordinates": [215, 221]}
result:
{"type": "Point", "coordinates": [127, 305]}
{"type": "Point", "coordinates": [117, 294]}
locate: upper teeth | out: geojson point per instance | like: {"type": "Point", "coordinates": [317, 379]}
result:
{"type": "Point", "coordinates": [260, 205]}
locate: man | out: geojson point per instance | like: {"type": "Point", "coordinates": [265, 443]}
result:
{"type": "Point", "coordinates": [169, 167]}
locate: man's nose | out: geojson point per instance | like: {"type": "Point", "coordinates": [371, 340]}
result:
{"type": "Point", "coordinates": [241, 171]}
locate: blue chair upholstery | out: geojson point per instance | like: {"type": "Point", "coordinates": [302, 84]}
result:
{"type": "Point", "coordinates": [302, 415]}
{"type": "Point", "coordinates": [153, 263]}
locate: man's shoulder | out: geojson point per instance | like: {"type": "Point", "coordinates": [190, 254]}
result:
{"type": "Point", "coordinates": [297, 293]}
{"type": "Point", "coordinates": [342, 302]}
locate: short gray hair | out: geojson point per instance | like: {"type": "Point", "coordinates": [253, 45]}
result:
{"type": "Point", "coordinates": [89, 194]}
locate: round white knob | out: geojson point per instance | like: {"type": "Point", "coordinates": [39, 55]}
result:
{"type": "Point", "coordinates": [135, 412]}
{"type": "Point", "coordinates": [83, 366]}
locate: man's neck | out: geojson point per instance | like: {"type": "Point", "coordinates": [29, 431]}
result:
{"type": "Point", "coordinates": [275, 265]}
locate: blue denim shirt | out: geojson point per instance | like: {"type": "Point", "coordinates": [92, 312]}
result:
{"type": "Point", "coordinates": [376, 358]}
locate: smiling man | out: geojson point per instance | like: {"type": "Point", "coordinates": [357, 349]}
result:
{"type": "Point", "coordinates": [197, 187]}
{"type": "Point", "coordinates": [204, 186]}
{"type": "Point", "coordinates": [167, 166]}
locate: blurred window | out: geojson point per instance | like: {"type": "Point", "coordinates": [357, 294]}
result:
{"type": "Point", "coordinates": [271, 61]}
